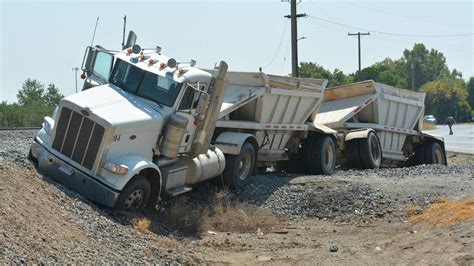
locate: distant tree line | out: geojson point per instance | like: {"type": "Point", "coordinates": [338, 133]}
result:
{"type": "Point", "coordinates": [447, 93]}
{"type": "Point", "coordinates": [34, 103]}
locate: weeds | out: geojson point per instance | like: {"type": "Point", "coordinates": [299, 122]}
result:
{"type": "Point", "coordinates": [142, 224]}
{"type": "Point", "coordinates": [446, 212]}
{"type": "Point", "coordinates": [221, 214]}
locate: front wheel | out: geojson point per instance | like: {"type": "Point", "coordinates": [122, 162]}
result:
{"type": "Point", "coordinates": [135, 195]}
{"type": "Point", "coordinates": [239, 167]}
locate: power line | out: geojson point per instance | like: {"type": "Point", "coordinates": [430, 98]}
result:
{"type": "Point", "coordinates": [390, 33]}
{"type": "Point", "coordinates": [285, 54]}
{"type": "Point", "coordinates": [455, 47]}
{"type": "Point", "coordinates": [279, 45]}
{"type": "Point", "coordinates": [392, 12]}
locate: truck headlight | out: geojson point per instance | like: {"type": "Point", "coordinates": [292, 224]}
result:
{"type": "Point", "coordinates": [48, 125]}
{"type": "Point", "coordinates": [116, 168]}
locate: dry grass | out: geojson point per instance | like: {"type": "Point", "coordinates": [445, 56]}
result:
{"type": "Point", "coordinates": [446, 212]}
{"type": "Point", "coordinates": [142, 224]}
{"type": "Point", "coordinates": [222, 214]}
{"type": "Point", "coordinates": [413, 210]}
{"type": "Point", "coordinates": [428, 126]}
{"type": "Point", "coordinates": [184, 216]}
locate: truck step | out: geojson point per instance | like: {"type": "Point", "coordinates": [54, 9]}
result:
{"type": "Point", "coordinates": [178, 190]}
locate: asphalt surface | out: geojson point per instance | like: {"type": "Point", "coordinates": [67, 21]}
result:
{"type": "Point", "coordinates": [461, 141]}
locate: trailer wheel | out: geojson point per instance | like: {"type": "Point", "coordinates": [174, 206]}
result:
{"type": "Point", "coordinates": [370, 151]}
{"type": "Point", "coordinates": [353, 151]}
{"type": "Point", "coordinates": [419, 156]}
{"type": "Point", "coordinates": [135, 195]}
{"type": "Point", "coordinates": [434, 154]}
{"type": "Point", "coordinates": [305, 155]}
{"type": "Point", "coordinates": [323, 155]}
{"type": "Point", "coordinates": [239, 167]}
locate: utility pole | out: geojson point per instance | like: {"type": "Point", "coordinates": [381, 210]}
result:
{"type": "Point", "coordinates": [75, 69]}
{"type": "Point", "coordinates": [358, 37]}
{"type": "Point", "coordinates": [412, 76]}
{"type": "Point", "coordinates": [294, 37]}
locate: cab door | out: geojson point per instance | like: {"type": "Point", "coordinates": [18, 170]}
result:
{"type": "Point", "coordinates": [97, 65]}
{"type": "Point", "coordinates": [187, 109]}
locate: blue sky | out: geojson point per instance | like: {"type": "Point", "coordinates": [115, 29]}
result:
{"type": "Point", "coordinates": [44, 40]}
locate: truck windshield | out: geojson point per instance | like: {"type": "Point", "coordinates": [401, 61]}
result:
{"type": "Point", "coordinates": [145, 84]}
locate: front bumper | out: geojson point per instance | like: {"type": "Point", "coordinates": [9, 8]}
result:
{"type": "Point", "coordinates": [72, 177]}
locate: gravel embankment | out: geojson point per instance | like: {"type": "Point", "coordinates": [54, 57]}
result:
{"type": "Point", "coordinates": [43, 221]}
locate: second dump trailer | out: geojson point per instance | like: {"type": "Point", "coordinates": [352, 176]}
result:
{"type": "Point", "coordinates": [380, 124]}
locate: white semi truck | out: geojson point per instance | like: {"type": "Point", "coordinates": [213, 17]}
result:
{"type": "Point", "coordinates": [146, 124]}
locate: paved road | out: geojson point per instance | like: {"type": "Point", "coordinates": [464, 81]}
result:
{"type": "Point", "coordinates": [461, 141]}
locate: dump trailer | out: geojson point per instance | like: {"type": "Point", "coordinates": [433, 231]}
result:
{"type": "Point", "coordinates": [276, 111]}
{"type": "Point", "coordinates": [147, 125]}
{"type": "Point", "coordinates": [378, 124]}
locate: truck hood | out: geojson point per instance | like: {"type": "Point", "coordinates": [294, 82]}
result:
{"type": "Point", "coordinates": [117, 108]}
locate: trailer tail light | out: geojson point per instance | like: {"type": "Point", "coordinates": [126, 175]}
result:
{"type": "Point", "coordinates": [162, 65]}
{"type": "Point", "coordinates": [141, 58]}
{"type": "Point", "coordinates": [150, 62]}
{"type": "Point", "coordinates": [83, 75]}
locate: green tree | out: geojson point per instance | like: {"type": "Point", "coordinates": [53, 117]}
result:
{"type": "Point", "coordinates": [447, 96]}
{"type": "Point", "coordinates": [428, 65]}
{"type": "Point", "coordinates": [470, 91]}
{"type": "Point", "coordinates": [315, 71]}
{"type": "Point", "coordinates": [52, 95]}
{"type": "Point", "coordinates": [34, 103]}
{"type": "Point", "coordinates": [385, 72]}
{"type": "Point", "coordinates": [31, 93]}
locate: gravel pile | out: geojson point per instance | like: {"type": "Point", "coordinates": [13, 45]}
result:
{"type": "Point", "coordinates": [419, 170]}
{"type": "Point", "coordinates": [14, 146]}
{"type": "Point", "coordinates": [331, 202]}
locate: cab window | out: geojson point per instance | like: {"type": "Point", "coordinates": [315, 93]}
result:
{"type": "Point", "coordinates": [103, 65]}
{"type": "Point", "coordinates": [190, 98]}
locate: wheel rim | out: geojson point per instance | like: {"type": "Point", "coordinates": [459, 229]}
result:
{"type": "Point", "coordinates": [244, 166]}
{"type": "Point", "coordinates": [329, 154]}
{"type": "Point", "coordinates": [438, 156]}
{"type": "Point", "coordinates": [374, 149]}
{"type": "Point", "coordinates": [135, 200]}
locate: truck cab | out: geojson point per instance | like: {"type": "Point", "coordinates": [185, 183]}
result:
{"type": "Point", "coordinates": [134, 131]}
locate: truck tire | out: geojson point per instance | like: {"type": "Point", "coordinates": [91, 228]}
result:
{"type": "Point", "coordinates": [434, 154]}
{"type": "Point", "coordinates": [135, 194]}
{"type": "Point", "coordinates": [305, 155]}
{"type": "Point", "coordinates": [323, 156]}
{"type": "Point", "coordinates": [419, 156]}
{"type": "Point", "coordinates": [239, 167]}
{"type": "Point", "coordinates": [32, 159]}
{"type": "Point", "coordinates": [370, 151]}
{"type": "Point", "coordinates": [353, 151]}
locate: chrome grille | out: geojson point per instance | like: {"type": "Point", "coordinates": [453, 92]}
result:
{"type": "Point", "coordinates": [78, 137]}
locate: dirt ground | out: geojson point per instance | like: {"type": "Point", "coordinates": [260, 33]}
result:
{"type": "Point", "coordinates": [352, 217]}
{"type": "Point", "coordinates": [306, 241]}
